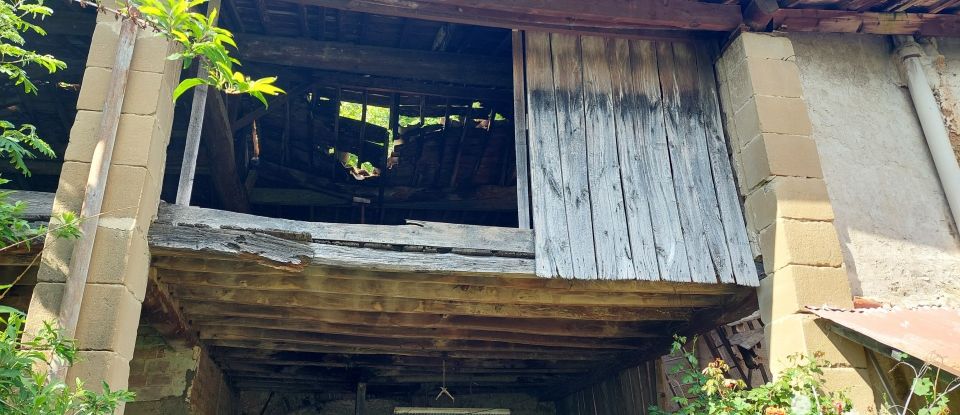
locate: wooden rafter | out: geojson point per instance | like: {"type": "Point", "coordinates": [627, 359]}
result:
{"type": "Point", "coordinates": [376, 60]}
{"type": "Point", "coordinates": [601, 16]}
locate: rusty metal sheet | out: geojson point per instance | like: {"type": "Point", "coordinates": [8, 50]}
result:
{"type": "Point", "coordinates": [931, 334]}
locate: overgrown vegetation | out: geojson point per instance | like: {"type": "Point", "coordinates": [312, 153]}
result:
{"type": "Point", "coordinates": [26, 390]}
{"type": "Point", "coordinates": [25, 387]}
{"type": "Point", "coordinates": [797, 391]}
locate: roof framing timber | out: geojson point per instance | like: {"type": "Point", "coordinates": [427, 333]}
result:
{"type": "Point", "coordinates": [598, 16]}
{"type": "Point", "coordinates": [376, 60]}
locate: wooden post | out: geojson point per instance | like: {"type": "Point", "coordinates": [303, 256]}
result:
{"type": "Point", "coordinates": [394, 132]}
{"type": "Point", "coordinates": [188, 168]}
{"type": "Point", "coordinates": [361, 404]}
{"type": "Point", "coordinates": [520, 132]}
{"type": "Point", "coordinates": [94, 191]}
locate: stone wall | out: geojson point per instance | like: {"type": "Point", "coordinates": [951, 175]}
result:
{"type": "Point", "coordinates": [170, 378]}
{"type": "Point", "coordinates": [898, 240]}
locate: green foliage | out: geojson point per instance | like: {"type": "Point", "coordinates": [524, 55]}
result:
{"type": "Point", "coordinates": [200, 38]}
{"type": "Point", "coordinates": [798, 391]}
{"type": "Point", "coordinates": [931, 392]}
{"type": "Point", "coordinates": [19, 143]}
{"type": "Point", "coordinates": [24, 386]}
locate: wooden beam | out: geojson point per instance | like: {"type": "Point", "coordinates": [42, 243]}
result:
{"type": "Point", "coordinates": [353, 302]}
{"type": "Point", "coordinates": [163, 313]}
{"type": "Point", "coordinates": [360, 402]}
{"type": "Point", "coordinates": [759, 13]}
{"type": "Point", "coordinates": [215, 310]}
{"type": "Point", "coordinates": [214, 324]}
{"type": "Point", "coordinates": [188, 167]}
{"type": "Point", "coordinates": [601, 17]}
{"type": "Point", "coordinates": [390, 287]}
{"type": "Point", "coordinates": [218, 141]}
{"type": "Point", "coordinates": [270, 357]}
{"type": "Point", "coordinates": [843, 21]}
{"type": "Point", "coordinates": [520, 132]}
{"type": "Point", "coordinates": [375, 60]}
{"type": "Point", "coordinates": [410, 86]}
{"type": "Point", "coordinates": [279, 345]}
{"type": "Point", "coordinates": [487, 199]}
{"type": "Point", "coordinates": [230, 267]}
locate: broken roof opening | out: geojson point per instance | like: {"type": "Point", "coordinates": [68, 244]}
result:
{"type": "Point", "coordinates": [385, 119]}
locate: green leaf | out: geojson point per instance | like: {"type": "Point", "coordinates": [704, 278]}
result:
{"type": "Point", "coordinates": [185, 85]}
{"type": "Point", "coordinates": [10, 310]}
{"type": "Point", "coordinates": [922, 387]}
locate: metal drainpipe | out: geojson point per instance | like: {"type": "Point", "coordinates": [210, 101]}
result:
{"type": "Point", "coordinates": [931, 120]}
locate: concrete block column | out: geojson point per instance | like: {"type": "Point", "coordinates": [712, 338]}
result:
{"type": "Point", "coordinates": [789, 216]}
{"type": "Point", "coordinates": [118, 274]}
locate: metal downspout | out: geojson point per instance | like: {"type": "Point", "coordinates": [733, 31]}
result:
{"type": "Point", "coordinates": [931, 120]}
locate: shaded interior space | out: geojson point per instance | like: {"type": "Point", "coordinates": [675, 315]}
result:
{"type": "Point", "coordinates": [385, 119]}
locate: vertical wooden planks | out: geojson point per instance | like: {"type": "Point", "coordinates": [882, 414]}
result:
{"type": "Point", "coordinates": [551, 238]}
{"type": "Point", "coordinates": [614, 258]}
{"type": "Point", "coordinates": [568, 78]}
{"type": "Point", "coordinates": [630, 176]}
{"type": "Point", "coordinates": [629, 150]}
{"type": "Point", "coordinates": [656, 175]}
{"type": "Point", "coordinates": [734, 227]}
{"type": "Point", "coordinates": [700, 163]}
{"type": "Point", "coordinates": [520, 132]}
{"type": "Point", "coordinates": [677, 86]}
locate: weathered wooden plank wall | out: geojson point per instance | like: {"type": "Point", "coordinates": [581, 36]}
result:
{"type": "Point", "coordinates": [630, 174]}
{"type": "Point", "coordinates": [631, 392]}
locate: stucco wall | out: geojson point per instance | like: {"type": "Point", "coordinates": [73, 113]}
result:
{"type": "Point", "coordinates": [898, 239]}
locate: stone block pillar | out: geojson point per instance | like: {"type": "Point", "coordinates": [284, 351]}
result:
{"type": "Point", "coordinates": [789, 216]}
{"type": "Point", "coordinates": [118, 274]}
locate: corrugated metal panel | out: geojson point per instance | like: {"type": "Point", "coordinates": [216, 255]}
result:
{"type": "Point", "coordinates": [929, 334]}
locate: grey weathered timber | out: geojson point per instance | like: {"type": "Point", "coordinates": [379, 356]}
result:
{"type": "Point", "coordinates": [568, 78]}
{"type": "Point", "coordinates": [291, 255]}
{"type": "Point", "coordinates": [744, 268]}
{"type": "Point", "coordinates": [550, 234]}
{"type": "Point", "coordinates": [430, 234]}
{"type": "Point", "coordinates": [603, 166]}
{"type": "Point", "coordinates": [520, 133]}
{"type": "Point", "coordinates": [656, 175]}
{"type": "Point", "coordinates": [632, 128]}
{"type": "Point", "coordinates": [680, 128]}
{"type": "Point", "coordinates": [636, 206]}
{"type": "Point", "coordinates": [702, 175]}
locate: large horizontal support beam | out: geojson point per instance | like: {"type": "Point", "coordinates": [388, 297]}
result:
{"type": "Point", "coordinates": [413, 306]}
{"type": "Point", "coordinates": [213, 310]}
{"type": "Point", "coordinates": [285, 346]}
{"type": "Point", "coordinates": [390, 286]}
{"type": "Point", "coordinates": [844, 21]}
{"type": "Point", "coordinates": [417, 333]}
{"type": "Point", "coordinates": [633, 18]}
{"type": "Point", "coordinates": [236, 267]}
{"type": "Point", "coordinates": [431, 234]}
{"type": "Point", "coordinates": [271, 357]}
{"type": "Point", "coordinates": [375, 60]}
{"type": "Point", "coordinates": [392, 344]}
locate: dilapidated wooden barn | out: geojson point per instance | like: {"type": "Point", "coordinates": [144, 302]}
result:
{"type": "Point", "coordinates": [518, 203]}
